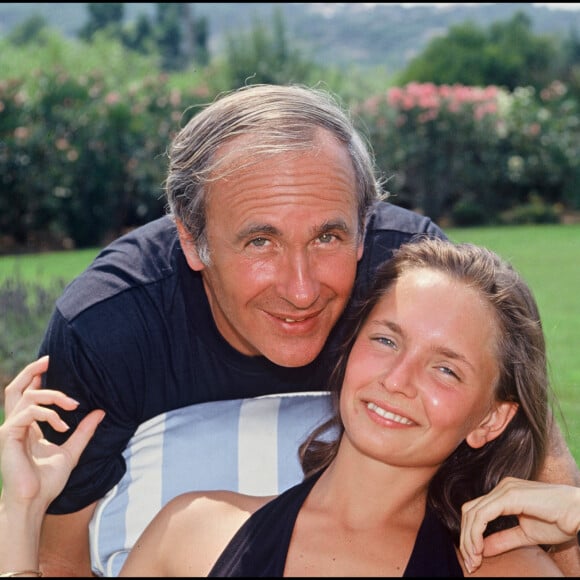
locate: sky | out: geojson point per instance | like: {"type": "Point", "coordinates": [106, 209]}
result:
{"type": "Point", "coordinates": [552, 5]}
{"type": "Point", "coordinates": [563, 6]}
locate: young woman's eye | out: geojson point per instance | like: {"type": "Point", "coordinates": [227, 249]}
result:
{"type": "Point", "coordinates": [449, 372]}
{"type": "Point", "coordinates": [386, 341]}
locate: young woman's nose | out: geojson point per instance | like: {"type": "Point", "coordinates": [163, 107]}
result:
{"type": "Point", "coordinates": [399, 378]}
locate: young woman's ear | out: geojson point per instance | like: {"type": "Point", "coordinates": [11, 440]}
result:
{"type": "Point", "coordinates": [188, 247]}
{"type": "Point", "coordinates": [493, 424]}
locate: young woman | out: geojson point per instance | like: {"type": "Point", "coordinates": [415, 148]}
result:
{"type": "Point", "coordinates": [441, 393]}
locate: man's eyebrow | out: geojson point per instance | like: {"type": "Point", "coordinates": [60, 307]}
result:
{"type": "Point", "coordinates": [269, 229]}
{"type": "Point", "coordinates": [333, 226]}
{"type": "Point", "coordinates": [255, 229]}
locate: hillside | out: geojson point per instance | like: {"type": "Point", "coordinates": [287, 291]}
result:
{"type": "Point", "coordinates": [344, 34]}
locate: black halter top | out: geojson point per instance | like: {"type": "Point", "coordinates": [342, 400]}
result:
{"type": "Point", "coordinates": [260, 546]}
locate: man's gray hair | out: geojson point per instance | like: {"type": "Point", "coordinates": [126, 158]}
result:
{"type": "Point", "coordinates": [283, 118]}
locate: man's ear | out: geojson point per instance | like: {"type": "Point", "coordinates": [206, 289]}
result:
{"type": "Point", "coordinates": [360, 249]}
{"type": "Point", "coordinates": [188, 247]}
{"type": "Point", "coordinates": [361, 242]}
{"type": "Point", "coordinates": [492, 425]}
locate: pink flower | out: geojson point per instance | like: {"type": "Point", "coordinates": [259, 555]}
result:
{"type": "Point", "coordinates": [112, 98]}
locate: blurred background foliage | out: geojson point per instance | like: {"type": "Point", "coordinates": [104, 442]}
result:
{"type": "Point", "coordinates": [481, 127]}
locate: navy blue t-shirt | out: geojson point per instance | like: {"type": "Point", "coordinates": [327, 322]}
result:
{"type": "Point", "coordinates": [134, 335]}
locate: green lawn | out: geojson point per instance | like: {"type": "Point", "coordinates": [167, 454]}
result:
{"type": "Point", "coordinates": [548, 257]}
{"type": "Point", "coordinates": [47, 266]}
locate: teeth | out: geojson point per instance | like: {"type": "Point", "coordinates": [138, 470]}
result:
{"type": "Point", "coordinates": [389, 415]}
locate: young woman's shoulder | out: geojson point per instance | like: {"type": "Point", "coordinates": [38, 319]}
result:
{"type": "Point", "coordinates": [523, 562]}
{"type": "Point", "coordinates": [189, 533]}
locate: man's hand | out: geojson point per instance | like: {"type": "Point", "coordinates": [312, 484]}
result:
{"type": "Point", "coordinates": [547, 514]}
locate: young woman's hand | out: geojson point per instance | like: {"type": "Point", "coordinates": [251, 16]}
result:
{"type": "Point", "coordinates": [34, 471]}
{"type": "Point", "coordinates": [547, 513]}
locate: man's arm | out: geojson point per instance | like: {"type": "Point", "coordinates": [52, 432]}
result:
{"type": "Point", "coordinates": [560, 467]}
{"type": "Point", "coordinates": [64, 544]}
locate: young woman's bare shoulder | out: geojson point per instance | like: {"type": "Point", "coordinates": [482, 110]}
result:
{"type": "Point", "coordinates": [190, 532]}
{"type": "Point", "coordinates": [526, 562]}
{"type": "Point", "coordinates": [229, 502]}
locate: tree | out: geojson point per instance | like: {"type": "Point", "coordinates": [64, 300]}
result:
{"type": "Point", "coordinates": [515, 57]}
{"type": "Point", "coordinates": [178, 37]}
{"type": "Point", "coordinates": [507, 54]}
{"type": "Point", "coordinates": [103, 16]}
{"type": "Point", "coordinates": [570, 67]}
{"type": "Point", "coordinates": [263, 56]}
{"type": "Point", "coordinates": [141, 36]}
{"type": "Point", "coordinates": [200, 40]}
{"type": "Point", "coordinates": [173, 34]}
{"type": "Point", "coordinates": [33, 29]}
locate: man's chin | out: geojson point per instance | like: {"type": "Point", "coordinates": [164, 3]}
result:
{"type": "Point", "coordinates": [294, 358]}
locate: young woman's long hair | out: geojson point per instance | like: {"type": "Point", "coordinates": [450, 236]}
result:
{"type": "Point", "coordinates": [523, 377]}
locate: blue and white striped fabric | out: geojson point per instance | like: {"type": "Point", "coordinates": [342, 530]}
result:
{"type": "Point", "coordinates": [245, 445]}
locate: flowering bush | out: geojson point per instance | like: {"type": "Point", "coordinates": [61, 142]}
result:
{"type": "Point", "coordinates": [471, 153]}
{"type": "Point", "coordinates": [81, 158]}
{"type": "Point", "coordinates": [80, 161]}
{"type": "Point", "coordinates": [544, 154]}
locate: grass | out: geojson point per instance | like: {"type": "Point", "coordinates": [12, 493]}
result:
{"type": "Point", "coordinates": [45, 267]}
{"type": "Point", "coordinates": [29, 287]}
{"type": "Point", "coordinates": [547, 256]}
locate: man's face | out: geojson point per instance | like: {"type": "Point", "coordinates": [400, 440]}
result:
{"type": "Point", "coordinates": [284, 243]}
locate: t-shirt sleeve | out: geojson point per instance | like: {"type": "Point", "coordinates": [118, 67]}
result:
{"type": "Point", "coordinates": [80, 372]}
{"type": "Point", "coordinates": [390, 226]}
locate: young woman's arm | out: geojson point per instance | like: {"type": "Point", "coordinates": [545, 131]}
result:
{"type": "Point", "coordinates": [189, 533]}
{"type": "Point", "coordinates": [34, 471]}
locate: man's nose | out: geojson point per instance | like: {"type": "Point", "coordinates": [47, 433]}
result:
{"type": "Point", "coordinates": [298, 281]}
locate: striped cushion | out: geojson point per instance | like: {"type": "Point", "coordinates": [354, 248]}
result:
{"type": "Point", "coordinates": [246, 445]}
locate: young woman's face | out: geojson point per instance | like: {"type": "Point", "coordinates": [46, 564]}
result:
{"type": "Point", "coordinates": [422, 372]}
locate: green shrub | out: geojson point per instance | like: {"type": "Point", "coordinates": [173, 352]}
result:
{"type": "Point", "coordinates": [25, 308]}
{"type": "Point", "coordinates": [468, 212]}
{"type": "Point", "coordinates": [444, 148]}
{"type": "Point", "coordinates": [536, 211]}
{"type": "Point", "coordinates": [82, 162]}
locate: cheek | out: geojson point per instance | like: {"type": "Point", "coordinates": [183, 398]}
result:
{"type": "Point", "coordinates": [355, 376]}
{"type": "Point", "coordinates": [362, 367]}
{"type": "Point", "coordinates": [244, 277]}
{"type": "Point", "coordinates": [451, 408]}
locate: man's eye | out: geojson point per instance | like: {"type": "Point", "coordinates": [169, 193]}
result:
{"type": "Point", "coordinates": [258, 242]}
{"type": "Point", "coordinates": [326, 238]}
